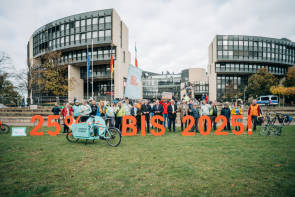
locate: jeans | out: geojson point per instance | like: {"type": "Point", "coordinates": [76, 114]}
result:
{"type": "Point", "coordinates": [254, 122]}
{"type": "Point", "coordinates": [119, 123]}
{"type": "Point", "coordinates": [171, 121]}
{"type": "Point", "coordinates": [165, 118]}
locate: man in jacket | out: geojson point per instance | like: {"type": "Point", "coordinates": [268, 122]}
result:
{"type": "Point", "coordinates": [183, 110]}
{"type": "Point", "coordinates": [85, 110]}
{"type": "Point", "coordinates": [146, 110]}
{"type": "Point", "coordinates": [172, 109]}
{"type": "Point", "coordinates": [213, 114]}
{"type": "Point", "coordinates": [225, 111]}
{"type": "Point", "coordinates": [205, 111]}
{"type": "Point", "coordinates": [158, 109]}
{"type": "Point", "coordinates": [254, 112]}
{"type": "Point", "coordinates": [136, 113]}
{"type": "Point", "coordinates": [196, 115]}
{"type": "Point", "coordinates": [56, 110]}
{"type": "Point", "coordinates": [94, 108]}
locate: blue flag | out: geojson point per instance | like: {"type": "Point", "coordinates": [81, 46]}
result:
{"type": "Point", "coordinates": [88, 63]}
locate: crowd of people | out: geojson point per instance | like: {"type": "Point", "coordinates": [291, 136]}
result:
{"type": "Point", "coordinates": [113, 112]}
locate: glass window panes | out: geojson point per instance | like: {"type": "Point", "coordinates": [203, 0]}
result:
{"type": "Point", "coordinates": [94, 21]}
{"type": "Point", "coordinates": [108, 19]}
{"type": "Point", "coordinates": [89, 21]}
{"type": "Point", "coordinates": [94, 34]}
{"type": "Point", "coordinates": [107, 33]}
{"type": "Point", "coordinates": [77, 37]}
{"type": "Point", "coordinates": [101, 20]}
{"type": "Point", "coordinates": [67, 26]}
{"type": "Point", "coordinates": [82, 36]}
{"type": "Point", "coordinates": [101, 34]}
{"type": "Point", "coordinates": [88, 35]}
{"type": "Point", "coordinates": [62, 27]}
{"type": "Point", "coordinates": [77, 24]}
{"type": "Point", "coordinates": [82, 22]}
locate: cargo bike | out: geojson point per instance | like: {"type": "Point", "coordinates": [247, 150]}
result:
{"type": "Point", "coordinates": [94, 128]}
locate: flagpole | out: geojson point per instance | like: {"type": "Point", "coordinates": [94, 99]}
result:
{"type": "Point", "coordinates": [87, 72]}
{"type": "Point", "coordinates": [112, 74]}
{"type": "Point", "coordinates": [92, 68]}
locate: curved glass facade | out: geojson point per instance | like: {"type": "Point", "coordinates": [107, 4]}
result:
{"type": "Point", "coordinates": [74, 31]}
{"type": "Point", "coordinates": [236, 57]}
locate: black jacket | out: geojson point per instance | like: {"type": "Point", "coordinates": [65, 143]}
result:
{"type": "Point", "coordinates": [158, 108]}
{"type": "Point", "coordinates": [146, 108]}
{"type": "Point", "coordinates": [55, 110]}
{"type": "Point", "coordinates": [94, 109]}
{"type": "Point", "coordinates": [132, 112]}
{"type": "Point", "coordinates": [169, 110]}
{"type": "Point", "coordinates": [226, 112]}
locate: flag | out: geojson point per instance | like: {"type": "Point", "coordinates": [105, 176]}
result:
{"type": "Point", "coordinates": [136, 62]}
{"type": "Point", "coordinates": [88, 64]}
{"type": "Point", "coordinates": [112, 65]}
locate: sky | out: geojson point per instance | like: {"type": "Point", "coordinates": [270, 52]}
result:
{"type": "Point", "coordinates": [169, 34]}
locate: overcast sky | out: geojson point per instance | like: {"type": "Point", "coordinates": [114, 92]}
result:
{"type": "Point", "coordinates": [170, 34]}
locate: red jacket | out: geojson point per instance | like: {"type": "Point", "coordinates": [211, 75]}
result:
{"type": "Point", "coordinates": [64, 111]}
{"type": "Point", "coordinates": [165, 106]}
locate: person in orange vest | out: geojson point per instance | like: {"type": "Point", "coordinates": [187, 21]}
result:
{"type": "Point", "coordinates": [254, 112]}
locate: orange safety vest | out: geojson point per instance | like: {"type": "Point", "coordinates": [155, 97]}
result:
{"type": "Point", "coordinates": [254, 110]}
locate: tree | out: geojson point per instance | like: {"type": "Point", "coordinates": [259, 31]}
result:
{"type": "Point", "coordinates": [261, 82]}
{"type": "Point", "coordinates": [8, 92]}
{"type": "Point", "coordinates": [290, 77]}
{"type": "Point", "coordinates": [52, 77]}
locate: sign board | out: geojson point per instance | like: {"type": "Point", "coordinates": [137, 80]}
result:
{"type": "Point", "coordinates": [167, 95]}
{"type": "Point", "coordinates": [133, 86]}
{"type": "Point", "coordinates": [18, 131]}
{"type": "Point", "coordinates": [33, 106]}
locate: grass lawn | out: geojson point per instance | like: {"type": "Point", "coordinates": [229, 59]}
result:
{"type": "Point", "coordinates": [170, 165]}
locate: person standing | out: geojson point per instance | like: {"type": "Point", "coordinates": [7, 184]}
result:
{"type": "Point", "coordinates": [94, 109]}
{"type": "Point", "coordinates": [135, 112]}
{"type": "Point", "coordinates": [101, 109]}
{"type": "Point", "coordinates": [146, 110]}
{"type": "Point", "coordinates": [172, 109]}
{"type": "Point", "coordinates": [85, 110]}
{"type": "Point", "coordinates": [183, 110]}
{"type": "Point", "coordinates": [158, 109]}
{"type": "Point", "coordinates": [110, 112]}
{"type": "Point", "coordinates": [56, 110]}
{"type": "Point", "coordinates": [76, 109]}
{"type": "Point", "coordinates": [196, 115]}
{"type": "Point", "coordinates": [254, 112]}
{"type": "Point", "coordinates": [120, 112]}
{"type": "Point", "coordinates": [237, 110]}
{"type": "Point", "coordinates": [165, 105]}
{"type": "Point", "coordinates": [205, 111]}
{"type": "Point", "coordinates": [213, 114]}
{"type": "Point", "coordinates": [225, 111]}
{"type": "Point", "coordinates": [67, 111]}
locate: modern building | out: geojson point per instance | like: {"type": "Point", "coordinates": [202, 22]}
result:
{"type": "Point", "coordinates": [154, 84]}
{"type": "Point", "coordinates": [233, 58]}
{"type": "Point", "coordinates": [71, 36]}
{"type": "Point", "coordinates": [194, 83]}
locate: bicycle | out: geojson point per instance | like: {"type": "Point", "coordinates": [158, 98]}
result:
{"type": "Point", "coordinates": [270, 128]}
{"type": "Point", "coordinates": [94, 129]}
{"type": "Point", "coordinates": [4, 128]}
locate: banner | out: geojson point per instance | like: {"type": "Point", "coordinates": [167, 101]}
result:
{"type": "Point", "coordinates": [133, 86]}
{"type": "Point", "coordinates": [18, 131]}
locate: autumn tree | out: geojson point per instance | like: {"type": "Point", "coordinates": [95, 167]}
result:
{"type": "Point", "coordinates": [290, 77]}
{"type": "Point", "coordinates": [52, 77]}
{"type": "Point", "coordinates": [261, 82]}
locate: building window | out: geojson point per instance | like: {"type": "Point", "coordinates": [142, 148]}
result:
{"type": "Point", "coordinates": [82, 23]}
{"type": "Point", "coordinates": [89, 21]}
{"type": "Point", "coordinates": [82, 36]}
{"type": "Point", "coordinates": [88, 35]}
{"type": "Point", "coordinates": [94, 21]}
{"type": "Point", "coordinates": [101, 20]}
{"type": "Point", "coordinates": [108, 19]}
{"type": "Point", "coordinates": [107, 33]}
{"type": "Point", "coordinates": [94, 34]}
{"type": "Point", "coordinates": [101, 34]}
{"type": "Point", "coordinates": [62, 27]}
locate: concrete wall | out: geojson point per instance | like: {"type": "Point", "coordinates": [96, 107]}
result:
{"type": "Point", "coordinates": [211, 69]}
{"type": "Point", "coordinates": [75, 83]}
{"type": "Point", "coordinates": [197, 74]}
{"type": "Point", "coordinates": [122, 62]}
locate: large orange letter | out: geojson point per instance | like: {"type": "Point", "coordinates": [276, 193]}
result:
{"type": "Point", "coordinates": [201, 129]}
{"type": "Point", "coordinates": [221, 127]}
{"type": "Point", "coordinates": [130, 125]}
{"type": "Point", "coordinates": [142, 125]}
{"type": "Point", "coordinates": [157, 125]}
{"type": "Point", "coordinates": [34, 131]}
{"type": "Point", "coordinates": [186, 131]}
{"type": "Point", "coordinates": [237, 124]}
{"type": "Point", "coordinates": [249, 125]}
{"type": "Point", "coordinates": [53, 124]}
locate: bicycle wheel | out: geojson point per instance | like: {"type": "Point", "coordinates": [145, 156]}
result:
{"type": "Point", "coordinates": [264, 131]}
{"type": "Point", "coordinates": [4, 129]}
{"type": "Point", "coordinates": [71, 138]}
{"type": "Point", "coordinates": [113, 137]}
